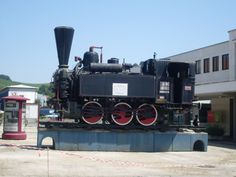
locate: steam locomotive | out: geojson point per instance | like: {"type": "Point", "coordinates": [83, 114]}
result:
{"type": "Point", "coordinates": [154, 93]}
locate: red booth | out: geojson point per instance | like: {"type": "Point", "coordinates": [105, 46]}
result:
{"type": "Point", "coordinates": [14, 118]}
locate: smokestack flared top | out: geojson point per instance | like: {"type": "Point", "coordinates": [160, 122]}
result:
{"type": "Point", "coordinates": [64, 36]}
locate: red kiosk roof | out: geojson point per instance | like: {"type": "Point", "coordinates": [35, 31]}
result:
{"type": "Point", "coordinates": [15, 97]}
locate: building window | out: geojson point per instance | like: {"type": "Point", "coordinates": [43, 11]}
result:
{"type": "Point", "coordinates": [206, 63]}
{"type": "Point", "coordinates": [198, 67]}
{"type": "Point", "coordinates": [215, 63]}
{"type": "Point", "coordinates": [225, 61]}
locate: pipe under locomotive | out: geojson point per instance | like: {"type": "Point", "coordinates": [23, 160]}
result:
{"type": "Point", "coordinates": [154, 93]}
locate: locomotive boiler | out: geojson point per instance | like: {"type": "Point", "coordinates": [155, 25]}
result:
{"type": "Point", "coordinates": [151, 94]}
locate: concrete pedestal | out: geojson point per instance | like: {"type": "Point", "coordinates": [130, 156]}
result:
{"type": "Point", "coordinates": [120, 140]}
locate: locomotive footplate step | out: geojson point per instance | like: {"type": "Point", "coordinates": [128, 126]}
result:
{"type": "Point", "coordinates": [119, 140]}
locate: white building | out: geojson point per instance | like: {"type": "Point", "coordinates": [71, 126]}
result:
{"type": "Point", "coordinates": [42, 100]}
{"type": "Point", "coordinates": [216, 78]}
{"type": "Point", "coordinates": [27, 92]}
{"type": "Point", "coordinates": [20, 90]}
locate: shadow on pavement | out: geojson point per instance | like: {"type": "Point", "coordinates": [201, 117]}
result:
{"type": "Point", "coordinates": [223, 144]}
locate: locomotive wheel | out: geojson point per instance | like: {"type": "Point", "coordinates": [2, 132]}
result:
{"type": "Point", "coordinates": [122, 114]}
{"type": "Point", "coordinates": [92, 112]}
{"type": "Point", "coordinates": [146, 114]}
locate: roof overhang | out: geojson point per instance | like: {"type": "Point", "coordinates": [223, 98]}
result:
{"type": "Point", "coordinates": [16, 98]}
{"type": "Point", "coordinates": [216, 89]}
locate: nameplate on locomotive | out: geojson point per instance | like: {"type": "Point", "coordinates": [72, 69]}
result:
{"type": "Point", "coordinates": [120, 89]}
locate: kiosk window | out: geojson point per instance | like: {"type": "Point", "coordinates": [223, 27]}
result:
{"type": "Point", "coordinates": [10, 105]}
{"type": "Point", "coordinates": [11, 116]}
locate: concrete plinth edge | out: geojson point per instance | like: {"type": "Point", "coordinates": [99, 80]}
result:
{"type": "Point", "coordinates": [126, 141]}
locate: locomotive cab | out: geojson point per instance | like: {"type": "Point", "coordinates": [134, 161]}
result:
{"type": "Point", "coordinates": [174, 80]}
{"type": "Point", "coordinates": [182, 82]}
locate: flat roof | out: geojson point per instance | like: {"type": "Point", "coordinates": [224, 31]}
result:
{"type": "Point", "coordinates": [19, 86]}
{"type": "Point", "coordinates": [198, 49]}
{"type": "Point", "coordinates": [231, 30]}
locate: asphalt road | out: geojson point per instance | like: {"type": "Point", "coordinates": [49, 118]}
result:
{"type": "Point", "coordinates": [23, 158]}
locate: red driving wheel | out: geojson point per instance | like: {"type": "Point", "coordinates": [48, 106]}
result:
{"type": "Point", "coordinates": [92, 112]}
{"type": "Point", "coordinates": [122, 114]}
{"type": "Point", "coordinates": [146, 114]}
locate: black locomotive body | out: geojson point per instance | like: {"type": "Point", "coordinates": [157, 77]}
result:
{"type": "Point", "coordinates": [154, 93]}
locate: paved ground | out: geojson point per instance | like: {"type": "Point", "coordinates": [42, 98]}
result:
{"type": "Point", "coordinates": [23, 158]}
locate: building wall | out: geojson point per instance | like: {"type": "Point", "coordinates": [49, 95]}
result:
{"type": "Point", "coordinates": [42, 100]}
{"type": "Point", "coordinates": [32, 112]}
{"type": "Point", "coordinates": [3, 94]}
{"type": "Point", "coordinates": [207, 52]}
{"type": "Point", "coordinates": [227, 47]}
{"type": "Point", "coordinates": [222, 105]}
{"type": "Point", "coordinates": [27, 93]}
{"type": "Point", "coordinates": [20, 90]}
{"type": "Point", "coordinates": [232, 53]}
{"type": "Point", "coordinates": [218, 86]}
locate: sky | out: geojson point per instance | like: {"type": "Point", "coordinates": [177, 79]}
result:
{"type": "Point", "coordinates": [130, 29]}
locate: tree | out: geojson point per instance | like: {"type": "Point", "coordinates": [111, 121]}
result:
{"type": "Point", "coordinates": [5, 77]}
{"type": "Point", "coordinates": [45, 89]}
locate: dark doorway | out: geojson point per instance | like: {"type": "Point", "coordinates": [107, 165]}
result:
{"type": "Point", "coordinates": [231, 115]}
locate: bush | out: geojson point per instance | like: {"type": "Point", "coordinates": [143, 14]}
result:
{"type": "Point", "coordinates": [215, 130]}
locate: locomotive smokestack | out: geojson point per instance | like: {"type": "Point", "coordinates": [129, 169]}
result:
{"type": "Point", "coordinates": [64, 36]}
